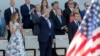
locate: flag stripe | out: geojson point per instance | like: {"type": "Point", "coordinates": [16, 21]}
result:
{"type": "Point", "coordinates": [84, 41]}
{"type": "Point", "coordinates": [85, 48]}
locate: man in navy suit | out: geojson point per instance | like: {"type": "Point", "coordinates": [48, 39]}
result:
{"type": "Point", "coordinates": [46, 34]}
{"type": "Point", "coordinates": [73, 26]}
{"type": "Point", "coordinates": [26, 10]}
{"type": "Point", "coordinates": [60, 23]}
{"type": "Point", "coordinates": [86, 5]}
{"type": "Point", "coordinates": [7, 15]}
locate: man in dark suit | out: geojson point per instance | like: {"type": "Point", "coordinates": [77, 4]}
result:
{"type": "Point", "coordinates": [60, 24]}
{"type": "Point", "coordinates": [2, 27]}
{"type": "Point", "coordinates": [7, 15]}
{"type": "Point", "coordinates": [73, 26]}
{"type": "Point", "coordinates": [46, 34]}
{"type": "Point", "coordinates": [55, 19]}
{"type": "Point", "coordinates": [55, 6]}
{"type": "Point", "coordinates": [26, 10]}
{"type": "Point", "coordinates": [35, 18]}
{"type": "Point", "coordinates": [86, 5]}
{"type": "Point", "coordinates": [67, 11]}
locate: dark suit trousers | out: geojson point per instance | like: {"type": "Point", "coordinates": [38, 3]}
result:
{"type": "Point", "coordinates": [9, 35]}
{"type": "Point", "coordinates": [46, 48]}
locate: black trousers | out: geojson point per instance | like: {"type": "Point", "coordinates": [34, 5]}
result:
{"type": "Point", "coordinates": [9, 35]}
{"type": "Point", "coordinates": [46, 48]}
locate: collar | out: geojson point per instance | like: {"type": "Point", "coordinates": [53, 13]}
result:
{"type": "Point", "coordinates": [54, 12]}
{"type": "Point", "coordinates": [12, 7]}
{"type": "Point", "coordinates": [75, 21]}
{"type": "Point", "coordinates": [71, 9]}
{"type": "Point", "coordinates": [44, 17]}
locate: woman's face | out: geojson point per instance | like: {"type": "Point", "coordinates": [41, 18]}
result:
{"type": "Point", "coordinates": [71, 4]}
{"type": "Point", "coordinates": [16, 16]}
{"type": "Point", "coordinates": [44, 3]}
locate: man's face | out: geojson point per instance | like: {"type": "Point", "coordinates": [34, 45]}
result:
{"type": "Point", "coordinates": [27, 1]}
{"type": "Point", "coordinates": [56, 6]}
{"type": "Point", "coordinates": [38, 8]}
{"type": "Point", "coordinates": [12, 3]}
{"type": "Point", "coordinates": [77, 17]}
{"type": "Point", "coordinates": [47, 13]}
{"type": "Point", "coordinates": [58, 12]}
{"type": "Point", "coordinates": [86, 5]}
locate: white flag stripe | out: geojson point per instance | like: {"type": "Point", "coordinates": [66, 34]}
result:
{"type": "Point", "coordinates": [74, 42]}
{"type": "Point", "coordinates": [78, 54]}
{"type": "Point", "coordinates": [88, 45]}
{"type": "Point", "coordinates": [85, 48]}
{"type": "Point", "coordinates": [96, 42]}
{"type": "Point", "coordinates": [97, 53]}
{"type": "Point", "coordinates": [78, 43]}
{"type": "Point", "coordinates": [89, 54]}
{"type": "Point", "coordinates": [96, 31]}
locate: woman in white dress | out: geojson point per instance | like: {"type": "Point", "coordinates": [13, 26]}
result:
{"type": "Point", "coordinates": [16, 44]}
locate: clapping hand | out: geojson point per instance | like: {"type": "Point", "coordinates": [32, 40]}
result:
{"type": "Point", "coordinates": [32, 10]}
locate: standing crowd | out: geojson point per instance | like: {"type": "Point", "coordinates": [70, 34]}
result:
{"type": "Point", "coordinates": [44, 22]}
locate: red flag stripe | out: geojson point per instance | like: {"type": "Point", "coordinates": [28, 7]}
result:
{"type": "Point", "coordinates": [96, 48]}
{"type": "Point", "coordinates": [96, 36]}
{"type": "Point", "coordinates": [93, 50]}
{"type": "Point", "coordinates": [81, 46]}
{"type": "Point", "coordinates": [68, 54]}
{"type": "Point", "coordinates": [97, 53]}
{"type": "Point", "coordinates": [73, 44]}
{"type": "Point", "coordinates": [85, 48]}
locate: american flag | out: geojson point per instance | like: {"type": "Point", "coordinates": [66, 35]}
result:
{"type": "Point", "coordinates": [86, 41]}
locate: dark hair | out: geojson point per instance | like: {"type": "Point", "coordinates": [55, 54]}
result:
{"type": "Point", "coordinates": [13, 17]}
{"type": "Point", "coordinates": [75, 4]}
{"type": "Point", "coordinates": [75, 14]}
{"type": "Point", "coordinates": [55, 2]}
{"type": "Point", "coordinates": [42, 5]}
{"type": "Point", "coordinates": [0, 10]}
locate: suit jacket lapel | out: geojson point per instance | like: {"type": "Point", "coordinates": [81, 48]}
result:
{"type": "Point", "coordinates": [62, 20]}
{"type": "Point", "coordinates": [58, 20]}
{"type": "Point", "coordinates": [75, 24]}
{"type": "Point", "coordinates": [37, 15]}
{"type": "Point", "coordinates": [10, 11]}
{"type": "Point", "coordinates": [27, 7]}
{"type": "Point", "coordinates": [51, 23]}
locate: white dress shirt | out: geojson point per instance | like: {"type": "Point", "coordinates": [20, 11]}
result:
{"type": "Point", "coordinates": [48, 21]}
{"type": "Point", "coordinates": [12, 9]}
{"type": "Point", "coordinates": [76, 22]}
{"type": "Point", "coordinates": [39, 13]}
{"type": "Point", "coordinates": [54, 12]}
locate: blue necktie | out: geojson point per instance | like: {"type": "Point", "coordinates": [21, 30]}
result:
{"type": "Point", "coordinates": [77, 23]}
{"type": "Point", "coordinates": [49, 23]}
{"type": "Point", "coordinates": [59, 18]}
{"type": "Point", "coordinates": [28, 5]}
{"type": "Point", "coordinates": [0, 21]}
